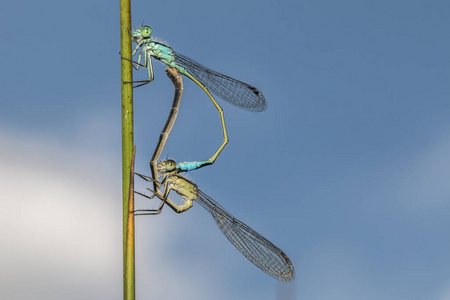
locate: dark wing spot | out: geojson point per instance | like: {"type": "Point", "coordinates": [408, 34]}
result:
{"type": "Point", "coordinates": [254, 90]}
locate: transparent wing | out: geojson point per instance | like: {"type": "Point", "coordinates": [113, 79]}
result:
{"type": "Point", "coordinates": [255, 247]}
{"type": "Point", "coordinates": [229, 89]}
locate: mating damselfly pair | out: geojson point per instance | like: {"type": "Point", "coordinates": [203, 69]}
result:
{"type": "Point", "coordinates": [251, 244]}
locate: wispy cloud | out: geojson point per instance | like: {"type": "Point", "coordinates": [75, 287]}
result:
{"type": "Point", "coordinates": [62, 233]}
{"type": "Point", "coordinates": [422, 183]}
{"type": "Point", "coordinates": [60, 222]}
{"type": "Point", "coordinates": [444, 292]}
{"type": "Point", "coordinates": [335, 270]}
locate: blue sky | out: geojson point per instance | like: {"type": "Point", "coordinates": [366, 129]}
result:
{"type": "Point", "coordinates": [346, 171]}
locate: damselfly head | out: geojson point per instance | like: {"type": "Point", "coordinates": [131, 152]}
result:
{"type": "Point", "coordinates": [141, 34]}
{"type": "Point", "coordinates": [166, 166]}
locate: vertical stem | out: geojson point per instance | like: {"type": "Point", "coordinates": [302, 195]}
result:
{"type": "Point", "coordinates": [129, 277]}
{"type": "Point", "coordinates": [127, 138]}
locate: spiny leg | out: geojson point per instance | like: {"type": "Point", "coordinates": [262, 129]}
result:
{"type": "Point", "coordinates": [163, 197]}
{"type": "Point", "coordinates": [147, 64]}
{"type": "Point", "coordinates": [138, 63]}
{"type": "Point", "coordinates": [151, 179]}
{"type": "Point", "coordinates": [172, 181]}
{"type": "Point", "coordinates": [140, 212]}
{"type": "Point", "coordinates": [157, 194]}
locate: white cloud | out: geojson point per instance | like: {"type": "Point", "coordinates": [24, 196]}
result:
{"type": "Point", "coordinates": [60, 222]}
{"type": "Point", "coordinates": [444, 293]}
{"type": "Point", "coordinates": [62, 233]}
{"type": "Point", "coordinates": [335, 270]}
{"type": "Point", "coordinates": [422, 183]}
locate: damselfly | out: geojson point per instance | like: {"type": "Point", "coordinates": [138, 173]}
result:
{"type": "Point", "coordinates": [229, 89]}
{"type": "Point", "coordinates": [251, 244]}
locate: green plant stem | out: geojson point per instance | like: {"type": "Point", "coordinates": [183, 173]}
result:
{"type": "Point", "coordinates": [129, 272]}
{"type": "Point", "coordinates": [127, 144]}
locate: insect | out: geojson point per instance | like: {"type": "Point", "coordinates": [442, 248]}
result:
{"type": "Point", "coordinates": [229, 89]}
{"type": "Point", "coordinates": [261, 252]}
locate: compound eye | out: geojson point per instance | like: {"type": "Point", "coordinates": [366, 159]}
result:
{"type": "Point", "coordinates": [146, 31]}
{"type": "Point", "coordinates": [171, 165]}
